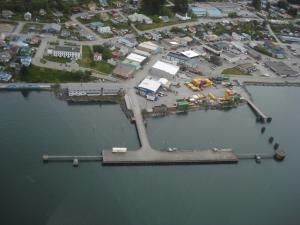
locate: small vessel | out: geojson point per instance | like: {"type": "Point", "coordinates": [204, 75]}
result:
{"type": "Point", "coordinates": [258, 158]}
{"type": "Point", "coordinates": [75, 163]}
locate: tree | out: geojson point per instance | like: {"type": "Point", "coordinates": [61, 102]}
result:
{"type": "Point", "coordinates": [256, 4]}
{"type": "Point", "coordinates": [181, 6]}
{"type": "Point", "coordinates": [283, 4]}
{"type": "Point", "coordinates": [233, 15]}
{"type": "Point", "coordinates": [292, 11]}
{"type": "Point", "coordinates": [106, 54]}
{"type": "Point", "coordinates": [268, 6]}
{"type": "Point", "coordinates": [152, 6]}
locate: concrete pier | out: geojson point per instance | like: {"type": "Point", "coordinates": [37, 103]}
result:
{"type": "Point", "coordinates": [263, 117]}
{"type": "Point", "coordinates": [48, 158]}
{"type": "Point", "coordinates": [147, 155]}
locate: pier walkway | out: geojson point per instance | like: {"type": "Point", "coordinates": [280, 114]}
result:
{"type": "Point", "coordinates": [47, 158]}
{"type": "Point", "coordinates": [263, 117]}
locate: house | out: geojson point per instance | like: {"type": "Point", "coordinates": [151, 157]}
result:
{"type": "Point", "coordinates": [92, 7]}
{"type": "Point", "coordinates": [27, 16]}
{"type": "Point", "coordinates": [42, 12]}
{"type": "Point", "coordinates": [4, 76]}
{"type": "Point", "coordinates": [103, 3]}
{"type": "Point", "coordinates": [5, 57]}
{"type": "Point", "coordinates": [104, 30]}
{"type": "Point", "coordinates": [57, 14]}
{"type": "Point", "coordinates": [181, 17]}
{"type": "Point", "coordinates": [141, 18]}
{"type": "Point", "coordinates": [52, 28]}
{"type": "Point", "coordinates": [95, 25]}
{"type": "Point", "coordinates": [97, 56]}
{"type": "Point", "coordinates": [116, 54]}
{"type": "Point", "coordinates": [25, 60]}
{"type": "Point", "coordinates": [34, 40]}
{"type": "Point", "coordinates": [124, 71]}
{"type": "Point", "coordinates": [66, 52]}
{"type": "Point", "coordinates": [165, 19]}
{"type": "Point", "coordinates": [104, 16]}
{"type": "Point", "coordinates": [7, 14]}
{"type": "Point", "coordinates": [25, 51]}
{"type": "Point", "coordinates": [127, 41]}
{"type": "Point", "coordinates": [154, 35]}
{"type": "Point", "coordinates": [65, 33]}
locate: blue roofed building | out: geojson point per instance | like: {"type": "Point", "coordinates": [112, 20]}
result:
{"type": "Point", "coordinates": [202, 11]}
{"type": "Point", "coordinates": [52, 28]}
{"type": "Point", "coordinates": [4, 76]}
{"type": "Point", "coordinates": [198, 11]}
{"type": "Point", "coordinates": [276, 50]}
{"type": "Point", "coordinates": [25, 60]}
{"type": "Point", "coordinates": [213, 12]}
{"type": "Point", "coordinates": [96, 25]}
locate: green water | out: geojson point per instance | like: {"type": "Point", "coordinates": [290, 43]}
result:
{"type": "Point", "coordinates": [56, 193]}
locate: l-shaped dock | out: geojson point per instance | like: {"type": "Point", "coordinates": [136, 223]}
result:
{"type": "Point", "coordinates": [147, 155]}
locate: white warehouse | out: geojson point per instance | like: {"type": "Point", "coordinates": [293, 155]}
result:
{"type": "Point", "coordinates": [163, 69]}
{"type": "Point", "coordinates": [66, 52]}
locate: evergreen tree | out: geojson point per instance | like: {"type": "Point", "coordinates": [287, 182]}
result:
{"type": "Point", "coordinates": [152, 6]}
{"type": "Point", "coordinates": [256, 4]}
{"type": "Point", "coordinates": [181, 6]}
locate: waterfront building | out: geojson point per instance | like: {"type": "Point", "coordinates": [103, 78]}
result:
{"type": "Point", "coordinates": [149, 86]}
{"type": "Point", "coordinates": [124, 71]}
{"type": "Point", "coordinates": [93, 89]}
{"type": "Point", "coordinates": [163, 69]}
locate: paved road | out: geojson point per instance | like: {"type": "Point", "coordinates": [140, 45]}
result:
{"type": "Point", "coordinates": [273, 34]}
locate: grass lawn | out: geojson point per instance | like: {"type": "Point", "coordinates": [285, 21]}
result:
{"type": "Point", "coordinates": [57, 59]}
{"type": "Point", "coordinates": [233, 71]}
{"type": "Point", "coordinates": [37, 27]}
{"type": "Point", "coordinates": [39, 74]}
{"type": "Point", "coordinates": [87, 61]}
{"type": "Point", "coordinates": [158, 24]}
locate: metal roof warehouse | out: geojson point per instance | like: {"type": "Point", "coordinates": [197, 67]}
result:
{"type": "Point", "coordinates": [137, 58]}
{"type": "Point", "coordinates": [164, 69]}
{"type": "Point", "coordinates": [149, 86]}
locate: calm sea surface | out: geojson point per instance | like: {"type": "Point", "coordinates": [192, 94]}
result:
{"type": "Point", "coordinates": [57, 194]}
